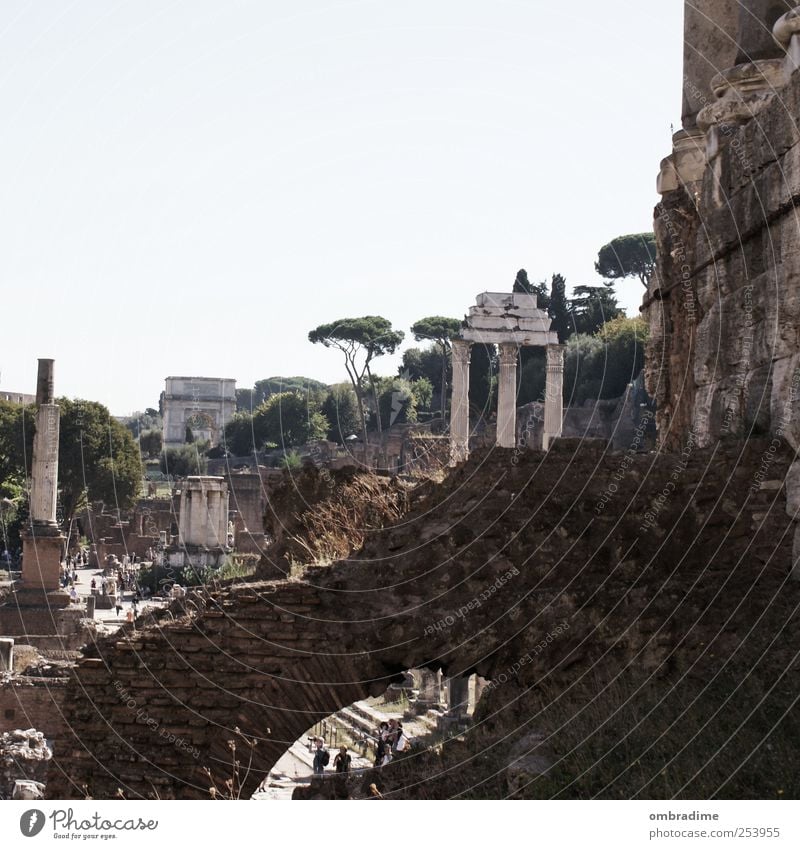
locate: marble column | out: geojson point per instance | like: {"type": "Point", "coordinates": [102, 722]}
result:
{"type": "Point", "coordinates": [507, 396]}
{"type": "Point", "coordinates": [459, 406]}
{"type": "Point", "coordinates": [44, 467]}
{"type": "Point", "coordinates": [554, 395]}
{"type": "Point", "coordinates": [43, 541]}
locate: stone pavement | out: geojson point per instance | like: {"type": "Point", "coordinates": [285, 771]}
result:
{"type": "Point", "coordinates": [107, 620]}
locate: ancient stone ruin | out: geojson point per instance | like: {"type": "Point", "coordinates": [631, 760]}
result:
{"type": "Point", "coordinates": [631, 614]}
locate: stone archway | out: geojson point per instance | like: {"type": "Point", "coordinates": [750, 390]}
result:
{"type": "Point", "coordinates": [495, 572]}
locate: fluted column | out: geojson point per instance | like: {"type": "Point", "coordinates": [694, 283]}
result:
{"type": "Point", "coordinates": [554, 395]}
{"type": "Point", "coordinates": [507, 397]}
{"type": "Point", "coordinates": [459, 406]}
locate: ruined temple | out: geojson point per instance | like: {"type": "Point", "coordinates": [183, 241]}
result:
{"type": "Point", "coordinates": [634, 613]}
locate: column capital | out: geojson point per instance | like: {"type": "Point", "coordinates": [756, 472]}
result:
{"type": "Point", "coordinates": [462, 350]}
{"type": "Point", "coordinates": [509, 352]}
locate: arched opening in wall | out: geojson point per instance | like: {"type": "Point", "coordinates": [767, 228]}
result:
{"type": "Point", "coordinates": [425, 708]}
{"type": "Point", "coordinates": [201, 426]}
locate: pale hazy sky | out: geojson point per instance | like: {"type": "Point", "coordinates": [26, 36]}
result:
{"type": "Point", "coordinates": [190, 187]}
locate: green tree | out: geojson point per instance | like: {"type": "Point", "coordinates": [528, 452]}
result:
{"type": "Point", "coordinates": [532, 375]}
{"type": "Point", "coordinates": [440, 331]}
{"type": "Point", "coordinates": [423, 362]}
{"type": "Point", "coordinates": [361, 340]}
{"type": "Point", "coordinates": [288, 419]}
{"type": "Point", "coordinates": [601, 366]}
{"type": "Point", "coordinates": [182, 461]}
{"type": "Point", "coordinates": [542, 296]}
{"type": "Point", "coordinates": [628, 256]}
{"type": "Point", "coordinates": [522, 284]}
{"type": "Point", "coordinates": [558, 309]}
{"type": "Point", "coordinates": [399, 399]}
{"type": "Point", "coordinates": [16, 441]}
{"type": "Point", "coordinates": [151, 443]}
{"type": "Point", "coordinates": [98, 458]}
{"type": "Point", "coordinates": [624, 339]}
{"type": "Point", "coordinates": [483, 380]}
{"type": "Point", "coordinates": [238, 436]}
{"type": "Point", "coordinates": [592, 307]}
{"type": "Point", "coordinates": [139, 422]}
{"type": "Point", "coordinates": [340, 408]}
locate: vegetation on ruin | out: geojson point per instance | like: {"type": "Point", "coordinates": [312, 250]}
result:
{"type": "Point", "coordinates": [601, 366]}
{"type": "Point", "coordinates": [286, 420]}
{"type": "Point", "coordinates": [248, 400]}
{"type": "Point", "coordinates": [99, 459]}
{"type": "Point", "coordinates": [183, 460]}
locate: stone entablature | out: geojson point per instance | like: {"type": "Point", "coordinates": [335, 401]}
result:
{"type": "Point", "coordinates": [204, 404]}
{"type": "Point", "coordinates": [510, 320]}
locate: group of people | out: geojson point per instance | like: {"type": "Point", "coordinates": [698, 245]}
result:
{"type": "Point", "coordinates": [78, 560]}
{"type": "Point", "coordinates": [391, 740]}
{"type": "Point", "coordinates": [341, 763]}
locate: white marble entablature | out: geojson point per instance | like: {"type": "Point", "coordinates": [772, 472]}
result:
{"type": "Point", "coordinates": [508, 318]}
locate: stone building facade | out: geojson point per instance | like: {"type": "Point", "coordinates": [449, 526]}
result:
{"type": "Point", "coordinates": [202, 404]}
{"type": "Point", "coordinates": [724, 305]}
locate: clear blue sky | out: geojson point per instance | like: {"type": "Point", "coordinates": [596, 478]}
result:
{"type": "Point", "coordinates": [190, 187]}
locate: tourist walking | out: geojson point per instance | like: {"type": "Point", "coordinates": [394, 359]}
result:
{"type": "Point", "coordinates": [401, 742]}
{"type": "Point", "coordinates": [321, 757]}
{"type": "Point", "coordinates": [342, 761]}
{"type": "Point", "coordinates": [380, 743]}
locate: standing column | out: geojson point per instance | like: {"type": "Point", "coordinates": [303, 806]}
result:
{"type": "Point", "coordinates": [42, 540]}
{"type": "Point", "coordinates": [459, 407]}
{"type": "Point", "coordinates": [554, 395]}
{"type": "Point", "coordinates": [507, 397]}
{"type": "Point", "coordinates": [44, 470]}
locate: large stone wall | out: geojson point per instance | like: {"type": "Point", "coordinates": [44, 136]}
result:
{"type": "Point", "coordinates": [661, 561]}
{"type": "Point", "coordinates": [724, 306]}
